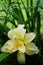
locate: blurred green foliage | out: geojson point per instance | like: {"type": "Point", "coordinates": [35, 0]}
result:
{"type": "Point", "coordinates": [14, 12]}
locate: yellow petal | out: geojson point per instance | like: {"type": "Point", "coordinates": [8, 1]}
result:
{"type": "Point", "coordinates": [11, 34]}
{"type": "Point", "coordinates": [20, 32]}
{"type": "Point", "coordinates": [29, 37]}
{"type": "Point", "coordinates": [31, 49]}
{"type": "Point", "coordinates": [21, 47]}
{"type": "Point", "coordinates": [17, 33]}
{"type": "Point", "coordinates": [10, 46]}
{"type": "Point", "coordinates": [21, 58]}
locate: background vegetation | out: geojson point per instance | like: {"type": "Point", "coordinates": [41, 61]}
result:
{"type": "Point", "coordinates": [28, 12]}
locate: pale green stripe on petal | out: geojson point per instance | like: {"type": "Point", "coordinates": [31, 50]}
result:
{"type": "Point", "coordinates": [22, 48]}
{"type": "Point", "coordinates": [20, 32]}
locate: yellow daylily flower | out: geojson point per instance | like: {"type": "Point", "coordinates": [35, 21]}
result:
{"type": "Point", "coordinates": [20, 41]}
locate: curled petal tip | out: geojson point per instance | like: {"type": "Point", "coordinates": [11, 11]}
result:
{"type": "Point", "coordinates": [21, 25]}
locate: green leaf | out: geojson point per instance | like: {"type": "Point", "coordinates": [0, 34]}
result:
{"type": "Point", "coordinates": [13, 13]}
{"type": "Point", "coordinates": [3, 56]}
